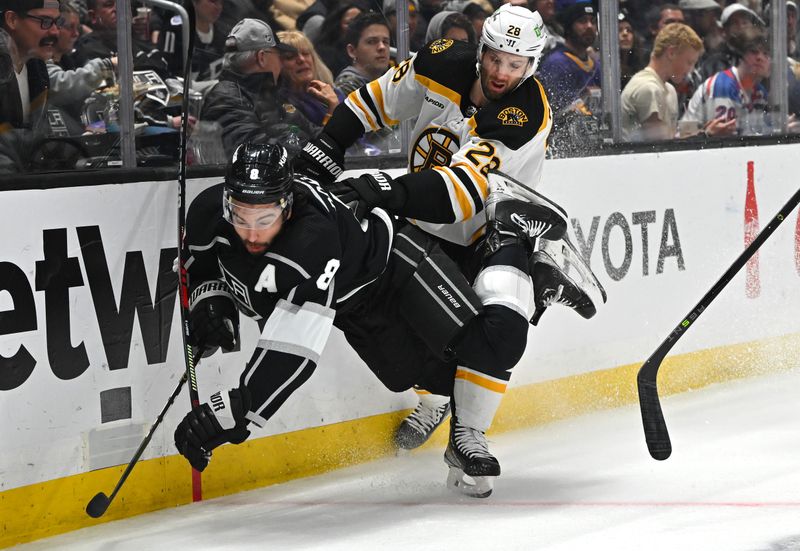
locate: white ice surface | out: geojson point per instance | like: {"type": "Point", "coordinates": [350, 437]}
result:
{"type": "Point", "coordinates": [732, 483]}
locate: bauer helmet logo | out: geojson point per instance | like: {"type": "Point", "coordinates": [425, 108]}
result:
{"type": "Point", "coordinates": [438, 46]}
{"type": "Point", "coordinates": [512, 116]}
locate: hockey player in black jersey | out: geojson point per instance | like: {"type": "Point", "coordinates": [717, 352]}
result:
{"type": "Point", "coordinates": [283, 251]}
{"type": "Point", "coordinates": [471, 121]}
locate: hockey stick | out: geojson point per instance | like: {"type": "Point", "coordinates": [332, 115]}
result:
{"type": "Point", "coordinates": [98, 504]}
{"type": "Point", "coordinates": [655, 427]}
{"type": "Point", "coordinates": [183, 288]}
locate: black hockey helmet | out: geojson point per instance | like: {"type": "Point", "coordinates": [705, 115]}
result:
{"type": "Point", "coordinates": [259, 175]}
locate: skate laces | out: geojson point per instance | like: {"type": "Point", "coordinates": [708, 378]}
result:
{"type": "Point", "coordinates": [471, 442]}
{"type": "Point", "coordinates": [557, 298]}
{"type": "Point", "coordinates": [424, 418]}
{"type": "Point", "coordinates": [531, 228]}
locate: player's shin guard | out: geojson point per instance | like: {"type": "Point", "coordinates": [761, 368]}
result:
{"type": "Point", "coordinates": [506, 293]}
{"type": "Point", "coordinates": [431, 411]}
{"type": "Point", "coordinates": [493, 344]}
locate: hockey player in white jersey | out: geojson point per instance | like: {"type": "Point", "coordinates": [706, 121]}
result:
{"type": "Point", "coordinates": [473, 121]}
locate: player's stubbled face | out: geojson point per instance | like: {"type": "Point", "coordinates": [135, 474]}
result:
{"type": "Point", "coordinates": [501, 72]}
{"type": "Point", "coordinates": [256, 225]}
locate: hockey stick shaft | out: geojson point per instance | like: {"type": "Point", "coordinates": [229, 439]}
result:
{"type": "Point", "coordinates": [183, 284]}
{"type": "Point", "coordinates": [655, 427]}
{"type": "Point", "coordinates": [99, 503]}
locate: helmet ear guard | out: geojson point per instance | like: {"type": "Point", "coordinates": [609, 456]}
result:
{"type": "Point", "coordinates": [515, 30]}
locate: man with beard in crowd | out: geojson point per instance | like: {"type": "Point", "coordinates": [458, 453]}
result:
{"type": "Point", "coordinates": [570, 69]}
{"type": "Point", "coordinates": [571, 76]}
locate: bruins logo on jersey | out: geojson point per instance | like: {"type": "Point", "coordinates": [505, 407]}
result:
{"type": "Point", "coordinates": [438, 46]}
{"type": "Point", "coordinates": [512, 116]}
{"type": "Point", "coordinates": [434, 147]}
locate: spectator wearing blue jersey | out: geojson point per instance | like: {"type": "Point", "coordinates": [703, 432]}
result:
{"type": "Point", "coordinates": [570, 69]}
{"type": "Point", "coordinates": [738, 93]}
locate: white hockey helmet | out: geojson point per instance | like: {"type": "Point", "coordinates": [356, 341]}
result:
{"type": "Point", "coordinates": [515, 30]}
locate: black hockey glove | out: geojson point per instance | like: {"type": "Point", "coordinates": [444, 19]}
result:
{"type": "Point", "coordinates": [321, 159]}
{"type": "Point", "coordinates": [368, 191]}
{"type": "Point", "coordinates": [213, 317]}
{"type": "Point", "coordinates": [204, 429]}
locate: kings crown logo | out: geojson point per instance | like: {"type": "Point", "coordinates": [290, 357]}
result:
{"type": "Point", "coordinates": [438, 46]}
{"type": "Point", "coordinates": [512, 116]}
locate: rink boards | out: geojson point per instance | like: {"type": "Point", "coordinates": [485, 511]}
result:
{"type": "Point", "coordinates": [89, 330]}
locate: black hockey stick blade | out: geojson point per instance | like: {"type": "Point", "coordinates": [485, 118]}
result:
{"type": "Point", "coordinates": [655, 427]}
{"type": "Point", "coordinates": [98, 505]}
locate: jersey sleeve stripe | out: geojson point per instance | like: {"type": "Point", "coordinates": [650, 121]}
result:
{"type": "Point", "coordinates": [462, 175]}
{"type": "Point", "coordinates": [299, 331]}
{"type": "Point", "coordinates": [481, 380]}
{"type": "Point", "coordinates": [261, 416]}
{"type": "Point", "coordinates": [355, 104]}
{"type": "Point", "coordinates": [377, 92]}
{"type": "Point", "coordinates": [434, 86]}
{"type": "Point", "coordinates": [363, 93]}
{"type": "Point", "coordinates": [462, 197]}
{"type": "Point", "coordinates": [477, 177]}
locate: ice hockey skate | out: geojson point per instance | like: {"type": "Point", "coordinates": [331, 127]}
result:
{"type": "Point", "coordinates": [517, 214]}
{"type": "Point", "coordinates": [472, 468]}
{"type": "Point", "coordinates": [560, 276]}
{"type": "Point", "coordinates": [418, 427]}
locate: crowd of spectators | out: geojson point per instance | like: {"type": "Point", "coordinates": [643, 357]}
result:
{"type": "Point", "coordinates": [277, 69]}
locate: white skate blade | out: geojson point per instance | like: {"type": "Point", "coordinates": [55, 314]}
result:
{"type": "Point", "coordinates": [501, 183]}
{"type": "Point", "coordinates": [472, 486]}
